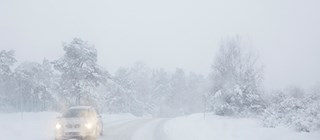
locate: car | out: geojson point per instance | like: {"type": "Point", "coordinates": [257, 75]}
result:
{"type": "Point", "coordinates": [79, 122]}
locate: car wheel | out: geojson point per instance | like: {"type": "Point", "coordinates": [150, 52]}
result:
{"type": "Point", "coordinates": [91, 138]}
{"type": "Point", "coordinates": [101, 132]}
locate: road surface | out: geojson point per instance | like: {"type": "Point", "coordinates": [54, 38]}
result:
{"type": "Point", "coordinates": [135, 129]}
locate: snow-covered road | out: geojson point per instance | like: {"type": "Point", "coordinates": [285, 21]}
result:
{"type": "Point", "coordinates": [137, 129]}
{"type": "Point", "coordinates": [40, 126]}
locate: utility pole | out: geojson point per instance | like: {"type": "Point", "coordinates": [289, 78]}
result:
{"type": "Point", "coordinates": [204, 107]}
{"type": "Point", "coordinates": [21, 100]}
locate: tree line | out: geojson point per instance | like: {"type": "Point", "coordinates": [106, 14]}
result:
{"type": "Point", "coordinates": [233, 88]}
{"type": "Point", "coordinates": [77, 79]}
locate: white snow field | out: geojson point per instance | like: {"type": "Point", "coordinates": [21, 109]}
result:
{"type": "Point", "coordinates": [40, 126]}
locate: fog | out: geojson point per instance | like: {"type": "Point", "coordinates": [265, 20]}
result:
{"type": "Point", "coordinates": [170, 33]}
{"type": "Point", "coordinates": [160, 70]}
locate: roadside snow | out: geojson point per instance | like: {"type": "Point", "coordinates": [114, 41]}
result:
{"type": "Point", "coordinates": [194, 127]}
{"type": "Point", "coordinates": [28, 126]}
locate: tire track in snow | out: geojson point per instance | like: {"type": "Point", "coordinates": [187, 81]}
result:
{"type": "Point", "coordinates": [123, 131]}
{"type": "Point", "coordinates": [159, 132]}
{"type": "Point", "coordinates": [108, 124]}
{"type": "Point", "coordinates": [153, 130]}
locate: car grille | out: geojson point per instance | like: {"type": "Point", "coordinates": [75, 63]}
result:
{"type": "Point", "coordinates": [77, 126]}
{"type": "Point", "coordinates": [73, 126]}
{"type": "Point", "coordinates": [72, 134]}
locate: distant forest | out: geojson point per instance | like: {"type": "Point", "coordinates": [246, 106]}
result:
{"type": "Point", "coordinates": [233, 88]}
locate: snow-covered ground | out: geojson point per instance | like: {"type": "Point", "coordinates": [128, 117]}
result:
{"type": "Point", "coordinates": [27, 126]}
{"type": "Point", "coordinates": [40, 126]}
{"type": "Point", "coordinates": [194, 127]}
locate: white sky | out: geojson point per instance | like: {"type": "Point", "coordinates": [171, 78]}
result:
{"type": "Point", "coordinates": [170, 33]}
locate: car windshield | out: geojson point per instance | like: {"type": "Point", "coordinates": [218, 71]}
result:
{"type": "Point", "coordinates": [76, 113]}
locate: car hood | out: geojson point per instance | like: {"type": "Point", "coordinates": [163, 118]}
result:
{"type": "Point", "coordinates": [75, 120]}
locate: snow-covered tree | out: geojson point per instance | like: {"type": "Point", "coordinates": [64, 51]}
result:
{"type": "Point", "coordinates": [197, 87]}
{"type": "Point", "coordinates": [179, 90]}
{"type": "Point", "coordinates": [161, 92]}
{"type": "Point", "coordinates": [301, 113]}
{"type": "Point", "coordinates": [80, 73]}
{"type": "Point", "coordinates": [236, 80]}
{"type": "Point", "coordinates": [120, 96]}
{"type": "Point", "coordinates": [7, 60]}
{"type": "Point", "coordinates": [75, 79]}
{"type": "Point", "coordinates": [140, 77]}
{"type": "Point", "coordinates": [35, 86]}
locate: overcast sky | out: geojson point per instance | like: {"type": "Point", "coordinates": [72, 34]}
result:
{"type": "Point", "coordinates": [170, 33]}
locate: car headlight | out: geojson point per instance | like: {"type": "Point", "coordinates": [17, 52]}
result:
{"type": "Point", "coordinates": [88, 125]}
{"type": "Point", "coordinates": [58, 126]}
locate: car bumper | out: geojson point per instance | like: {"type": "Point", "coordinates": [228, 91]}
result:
{"type": "Point", "coordinates": [80, 134]}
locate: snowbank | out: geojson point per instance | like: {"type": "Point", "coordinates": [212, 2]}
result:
{"type": "Point", "coordinates": [27, 126]}
{"type": "Point", "coordinates": [194, 127]}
